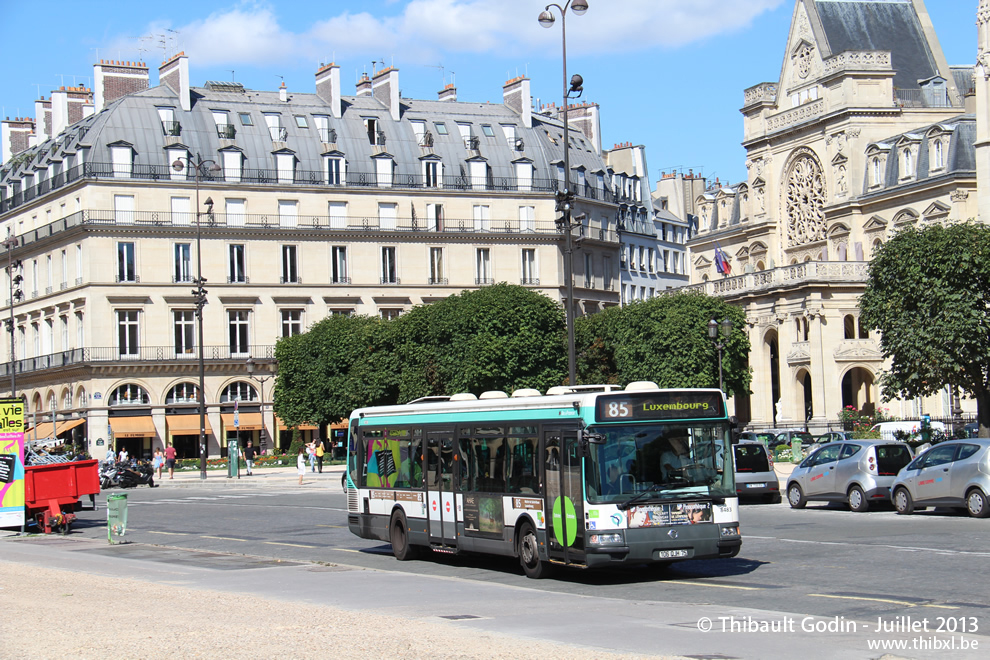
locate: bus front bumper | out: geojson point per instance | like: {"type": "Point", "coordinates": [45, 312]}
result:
{"type": "Point", "coordinates": [666, 544]}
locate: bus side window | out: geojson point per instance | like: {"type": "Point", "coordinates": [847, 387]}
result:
{"type": "Point", "coordinates": [469, 466]}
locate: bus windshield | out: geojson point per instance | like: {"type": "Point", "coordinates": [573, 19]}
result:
{"type": "Point", "coordinates": [662, 460]}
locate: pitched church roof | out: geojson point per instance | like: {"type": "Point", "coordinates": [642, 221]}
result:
{"type": "Point", "coordinates": [891, 25]}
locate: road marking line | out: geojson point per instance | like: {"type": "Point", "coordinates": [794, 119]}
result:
{"type": "Point", "coordinates": [886, 600]}
{"type": "Point", "coordinates": [334, 526]}
{"type": "Point", "coordinates": [222, 538]}
{"type": "Point", "coordinates": [902, 548]}
{"type": "Point", "coordinates": [170, 533]}
{"type": "Point", "coordinates": [293, 545]}
{"type": "Point", "coordinates": [708, 584]}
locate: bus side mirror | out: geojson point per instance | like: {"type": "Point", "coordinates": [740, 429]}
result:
{"type": "Point", "coordinates": [593, 438]}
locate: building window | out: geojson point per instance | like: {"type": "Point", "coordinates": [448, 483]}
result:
{"type": "Point", "coordinates": [277, 132]}
{"type": "Point", "coordinates": [181, 263]}
{"type": "Point", "coordinates": [650, 258]}
{"type": "Point", "coordinates": [236, 271]}
{"type": "Point", "coordinates": [184, 323]}
{"type": "Point", "coordinates": [246, 119]}
{"type": "Point", "coordinates": [341, 312]}
{"type": "Point", "coordinates": [483, 267]}
{"type": "Point", "coordinates": [123, 161]}
{"type": "Point", "coordinates": [182, 393]}
{"type": "Point", "coordinates": [290, 273]}
{"type": "Point", "coordinates": [436, 266]}
{"type": "Point", "coordinates": [301, 121]}
{"type": "Point", "coordinates": [80, 331]}
{"type": "Point", "coordinates": [527, 218]}
{"type": "Point", "coordinates": [65, 269]}
{"type": "Point", "coordinates": [335, 169]}
{"type": "Point", "coordinates": [126, 268]}
{"type": "Point", "coordinates": [371, 125]}
{"type": "Point", "coordinates": [338, 265]}
{"type": "Point", "coordinates": [64, 328]}
{"type": "Point", "coordinates": [441, 128]}
{"type": "Point", "coordinates": [383, 171]}
{"type": "Point", "coordinates": [390, 314]}
{"type": "Point", "coordinates": [127, 333]}
{"type": "Point", "coordinates": [607, 273]}
{"type": "Point", "coordinates": [528, 274]}
{"type": "Point", "coordinates": [431, 173]}
{"type": "Point", "coordinates": [238, 322]}
{"type": "Point", "coordinates": [129, 395]}
{"type": "Point", "coordinates": [238, 392]}
{"type": "Point", "coordinates": [482, 217]}
{"type": "Point", "coordinates": [487, 130]}
{"type": "Point", "coordinates": [291, 322]}
{"type": "Point", "coordinates": [387, 215]}
{"type": "Point", "coordinates": [337, 214]}
{"type": "Point", "coordinates": [233, 164]}
{"type": "Point", "coordinates": [123, 208]}
{"type": "Point", "coordinates": [288, 213]}
{"type": "Point", "coordinates": [286, 165]}
{"type": "Point", "coordinates": [589, 273]}
{"type": "Point", "coordinates": [389, 266]}
{"type": "Point", "coordinates": [179, 206]}
{"type": "Point", "coordinates": [234, 210]}
{"type": "Point", "coordinates": [675, 262]}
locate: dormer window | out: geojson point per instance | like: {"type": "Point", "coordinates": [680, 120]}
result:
{"type": "Point", "coordinates": [327, 134]}
{"type": "Point", "coordinates": [122, 157]}
{"type": "Point", "coordinates": [285, 163]}
{"type": "Point", "coordinates": [432, 173]}
{"type": "Point", "coordinates": [274, 121]}
{"type": "Point", "coordinates": [375, 134]}
{"type": "Point", "coordinates": [225, 130]}
{"type": "Point", "coordinates": [170, 127]}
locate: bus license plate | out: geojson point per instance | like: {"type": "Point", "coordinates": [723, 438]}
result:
{"type": "Point", "coordinates": [670, 554]}
{"type": "Point", "coordinates": [755, 485]}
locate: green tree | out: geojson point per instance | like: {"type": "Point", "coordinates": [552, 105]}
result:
{"type": "Point", "coordinates": [501, 337]}
{"type": "Point", "coordinates": [928, 294]}
{"type": "Point", "coordinates": [665, 340]}
{"type": "Point", "coordinates": [341, 363]}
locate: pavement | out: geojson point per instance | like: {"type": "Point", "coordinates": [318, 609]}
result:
{"type": "Point", "coordinates": [267, 477]}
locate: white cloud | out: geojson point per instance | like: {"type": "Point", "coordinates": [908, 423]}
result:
{"type": "Point", "coordinates": [424, 30]}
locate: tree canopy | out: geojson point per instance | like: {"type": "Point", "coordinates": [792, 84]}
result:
{"type": "Point", "coordinates": [665, 340]}
{"type": "Point", "coordinates": [928, 294]}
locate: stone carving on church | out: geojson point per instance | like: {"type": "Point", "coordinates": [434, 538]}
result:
{"type": "Point", "coordinates": [803, 58]}
{"type": "Point", "coordinates": [804, 201]}
{"type": "Point", "coordinates": [799, 355]}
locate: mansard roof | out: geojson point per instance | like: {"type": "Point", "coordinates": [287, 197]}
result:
{"type": "Point", "coordinates": [890, 25]}
{"type": "Point", "coordinates": [959, 158]}
{"type": "Point", "coordinates": [135, 119]}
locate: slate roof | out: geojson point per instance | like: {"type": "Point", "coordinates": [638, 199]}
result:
{"type": "Point", "coordinates": [890, 25]}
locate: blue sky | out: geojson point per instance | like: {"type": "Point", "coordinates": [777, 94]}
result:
{"type": "Point", "coordinates": [669, 74]}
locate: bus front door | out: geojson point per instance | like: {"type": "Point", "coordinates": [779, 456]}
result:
{"type": "Point", "coordinates": [441, 503]}
{"type": "Point", "coordinates": [565, 496]}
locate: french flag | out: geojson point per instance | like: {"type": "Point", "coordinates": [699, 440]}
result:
{"type": "Point", "coordinates": [721, 261]}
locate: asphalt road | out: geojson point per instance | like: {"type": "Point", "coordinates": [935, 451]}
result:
{"type": "Point", "coordinates": [822, 561]}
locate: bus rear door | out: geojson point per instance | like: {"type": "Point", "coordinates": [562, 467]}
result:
{"type": "Point", "coordinates": [564, 496]}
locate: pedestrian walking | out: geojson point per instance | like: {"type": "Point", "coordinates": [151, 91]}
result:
{"type": "Point", "coordinates": [122, 456]}
{"type": "Point", "coordinates": [170, 460]}
{"type": "Point", "coordinates": [158, 461]}
{"type": "Point", "coordinates": [319, 454]}
{"type": "Point", "coordinates": [301, 464]}
{"type": "Point", "coordinates": [311, 453]}
{"type": "Point", "coordinates": [249, 453]}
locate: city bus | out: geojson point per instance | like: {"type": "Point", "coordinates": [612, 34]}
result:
{"type": "Point", "coordinates": [587, 476]}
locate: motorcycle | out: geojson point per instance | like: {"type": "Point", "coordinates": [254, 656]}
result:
{"type": "Point", "coordinates": [109, 475]}
{"type": "Point", "coordinates": [136, 474]}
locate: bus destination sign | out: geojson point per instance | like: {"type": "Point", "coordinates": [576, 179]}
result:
{"type": "Point", "coordinates": [638, 406]}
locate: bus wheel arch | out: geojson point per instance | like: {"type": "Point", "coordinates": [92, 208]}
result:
{"type": "Point", "coordinates": [528, 550]}
{"type": "Point", "coordinates": [398, 534]}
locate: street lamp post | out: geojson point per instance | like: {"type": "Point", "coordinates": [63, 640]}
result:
{"type": "Point", "coordinates": [252, 367]}
{"type": "Point", "coordinates": [565, 197]}
{"type": "Point", "coordinates": [719, 334]}
{"type": "Point", "coordinates": [15, 294]}
{"type": "Point", "coordinates": [199, 293]}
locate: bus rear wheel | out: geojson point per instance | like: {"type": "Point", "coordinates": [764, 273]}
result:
{"type": "Point", "coordinates": [399, 536]}
{"type": "Point", "coordinates": [529, 554]}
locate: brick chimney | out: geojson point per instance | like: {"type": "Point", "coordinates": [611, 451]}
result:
{"type": "Point", "coordinates": [385, 88]}
{"type": "Point", "coordinates": [448, 93]}
{"type": "Point", "coordinates": [175, 74]}
{"type": "Point", "coordinates": [79, 100]}
{"type": "Point", "coordinates": [113, 79]}
{"type": "Point", "coordinates": [585, 117]}
{"type": "Point", "coordinates": [43, 112]}
{"type": "Point", "coordinates": [328, 87]}
{"type": "Point", "coordinates": [283, 93]}
{"type": "Point", "coordinates": [517, 97]}
{"type": "Point", "coordinates": [363, 87]}
{"type": "Point", "coordinates": [15, 136]}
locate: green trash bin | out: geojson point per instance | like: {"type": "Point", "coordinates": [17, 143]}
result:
{"type": "Point", "coordinates": [796, 454]}
{"type": "Point", "coordinates": [116, 517]}
{"type": "Point", "coordinates": [233, 458]}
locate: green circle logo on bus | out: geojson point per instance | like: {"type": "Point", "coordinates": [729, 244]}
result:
{"type": "Point", "coordinates": [558, 524]}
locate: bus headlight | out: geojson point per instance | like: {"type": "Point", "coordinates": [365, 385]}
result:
{"type": "Point", "coordinates": [731, 530]}
{"type": "Point", "coordinates": [603, 539]}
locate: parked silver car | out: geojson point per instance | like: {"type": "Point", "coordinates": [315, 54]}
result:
{"type": "Point", "coordinates": [857, 472]}
{"type": "Point", "coordinates": [754, 472]}
{"type": "Point", "coordinates": [955, 474]}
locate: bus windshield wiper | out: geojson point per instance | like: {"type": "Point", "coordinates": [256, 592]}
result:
{"type": "Point", "coordinates": [622, 506]}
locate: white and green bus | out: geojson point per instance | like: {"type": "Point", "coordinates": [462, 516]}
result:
{"type": "Point", "coordinates": [588, 476]}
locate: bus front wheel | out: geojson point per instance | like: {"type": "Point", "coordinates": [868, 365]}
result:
{"type": "Point", "coordinates": [529, 553]}
{"type": "Point", "coordinates": [399, 536]}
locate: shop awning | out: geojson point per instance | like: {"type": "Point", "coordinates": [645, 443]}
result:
{"type": "Point", "coordinates": [301, 427]}
{"type": "Point", "coordinates": [41, 431]}
{"type": "Point", "coordinates": [133, 427]}
{"type": "Point", "coordinates": [247, 421]}
{"type": "Point", "coordinates": [68, 426]}
{"type": "Point", "coordinates": [342, 424]}
{"type": "Point", "coordinates": [185, 424]}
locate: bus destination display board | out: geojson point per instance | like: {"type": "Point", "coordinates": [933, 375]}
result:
{"type": "Point", "coordinates": [639, 406]}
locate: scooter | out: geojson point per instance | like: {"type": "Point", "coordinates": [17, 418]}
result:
{"type": "Point", "coordinates": [109, 475]}
{"type": "Point", "coordinates": [136, 474]}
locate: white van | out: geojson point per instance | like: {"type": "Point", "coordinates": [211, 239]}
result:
{"type": "Point", "coordinates": [913, 428]}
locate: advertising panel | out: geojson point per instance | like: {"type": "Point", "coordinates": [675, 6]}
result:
{"type": "Point", "coordinates": [11, 463]}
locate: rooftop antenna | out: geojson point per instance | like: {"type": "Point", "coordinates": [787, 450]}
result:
{"type": "Point", "coordinates": [38, 87]}
{"type": "Point", "coordinates": [443, 76]}
{"type": "Point", "coordinates": [231, 75]}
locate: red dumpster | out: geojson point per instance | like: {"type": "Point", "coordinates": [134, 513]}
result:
{"type": "Point", "coordinates": [51, 486]}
